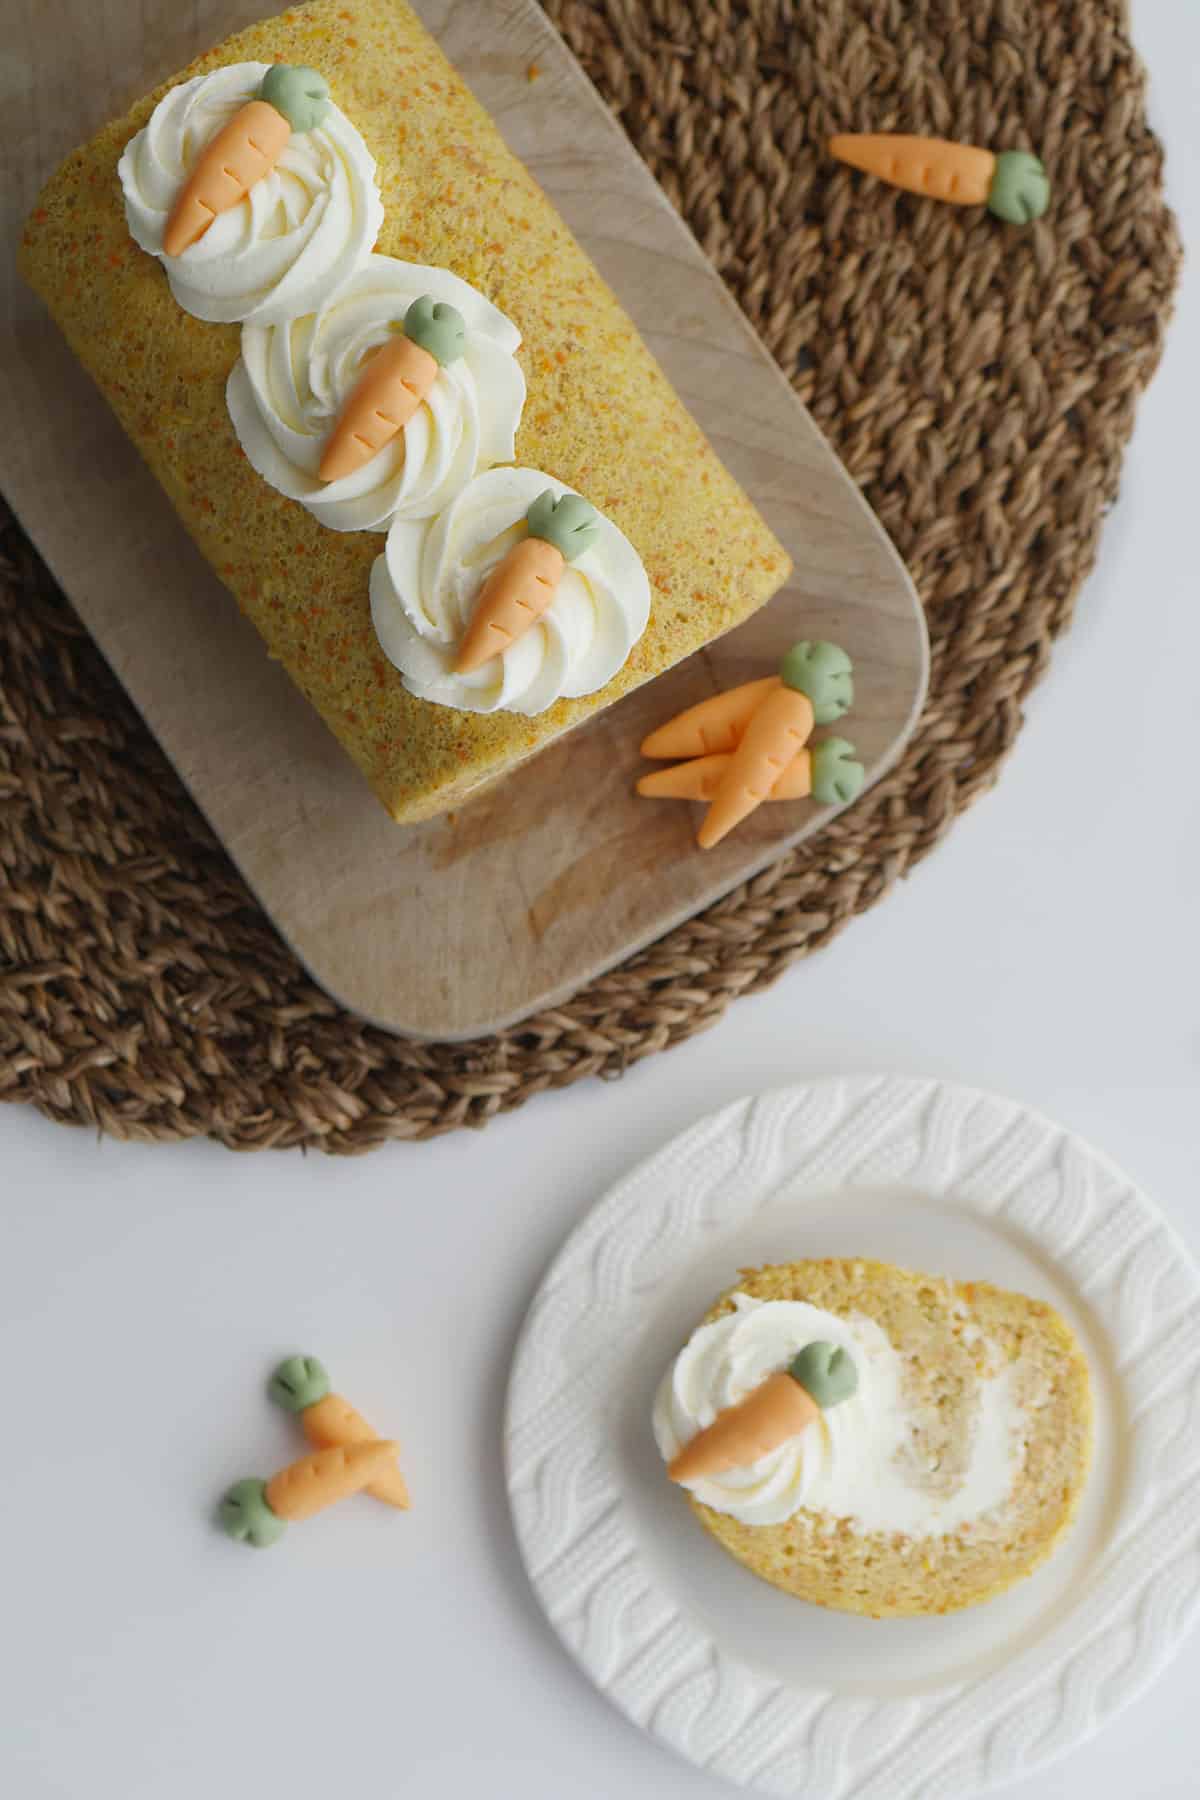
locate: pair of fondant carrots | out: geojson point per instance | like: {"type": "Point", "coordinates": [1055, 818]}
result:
{"type": "Point", "coordinates": [349, 1457]}
{"type": "Point", "coordinates": [751, 743]}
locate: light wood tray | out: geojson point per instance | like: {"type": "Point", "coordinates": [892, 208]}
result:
{"type": "Point", "coordinates": [401, 924]}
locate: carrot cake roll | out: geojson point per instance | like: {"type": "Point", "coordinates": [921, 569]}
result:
{"type": "Point", "coordinates": [391, 399]}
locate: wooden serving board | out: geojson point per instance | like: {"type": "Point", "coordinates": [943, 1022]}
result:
{"type": "Point", "coordinates": [401, 924]}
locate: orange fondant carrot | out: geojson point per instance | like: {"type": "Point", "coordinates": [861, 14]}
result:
{"type": "Point", "coordinates": [773, 738]}
{"type": "Point", "coordinates": [396, 379]}
{"type": "Point", "coordinates": [241, 153]}
{"type": "Point", "coordinates": [325, 1477]}
{"type": "Point", "coordinates": [1013, 184]}
{"type": "Point", "coordinates": [778, 1409]}
{"type": "Point", "coordinates": [932, 166]}
{"type": "Point", "coordinates": [244, 150]}
{"type": "Point", "coordinates": [332, 1423]}
{"type": "Point", "coordinates": [524, 582]}
{"type": "Point", "coordinates": [700, 778]}
{"type": "Point", "coordinates": [821, 1376]}
{"type": "Point", "coordinates": [514, 597]}
{"type": "Point", "coordinates": [713, 725]}
{"type": "Point", "coordinates": [388, 392]}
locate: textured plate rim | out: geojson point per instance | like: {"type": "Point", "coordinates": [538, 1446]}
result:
{"type": "Point", "coordinates": [999, 1160]}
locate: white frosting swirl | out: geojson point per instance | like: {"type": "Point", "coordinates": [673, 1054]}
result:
{"type": "Point", "coordinates": [856, 1461]}
{"type": "Point", "coordinates": [292, 380]}
{"type": "Point", "coordinates": [425, 585]}
{"type": "Point", "coordinates": [299, 231]}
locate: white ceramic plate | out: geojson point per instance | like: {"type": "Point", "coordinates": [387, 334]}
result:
{"type": "Point", "coordinates": [747, 1681]}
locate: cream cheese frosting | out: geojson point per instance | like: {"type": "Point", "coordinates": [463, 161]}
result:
{"type": "Point", "coordinates": [293, 378]}
{"type": "Point", "coordinates": [289, 242]}
{"type": "Point", "coordinates": [425, 585]}
{"type": "Point", "coordinates": [855, 1462]}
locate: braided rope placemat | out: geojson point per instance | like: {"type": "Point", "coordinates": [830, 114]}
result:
{"type": "Point", "coordinates": [979, 383]}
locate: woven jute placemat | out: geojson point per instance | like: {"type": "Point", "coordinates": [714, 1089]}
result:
{"type": "Point", "coordinates": [979, 383]}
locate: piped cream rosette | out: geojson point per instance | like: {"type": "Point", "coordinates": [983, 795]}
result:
{"type": "Point", "coordinates": [289, 242]}
{"type": "Point", "coordinates": [292, 380]}
{"type": "Point", "coordinates": [425, 586]}
{"type": "Point", "coordinates": [856, 1461]}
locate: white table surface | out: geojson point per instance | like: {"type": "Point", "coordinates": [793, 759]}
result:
{"type": "Point", "coordinates": [1047, 950]}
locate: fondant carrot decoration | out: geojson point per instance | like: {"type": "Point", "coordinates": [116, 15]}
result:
{"type": "Point", "coordinates": [781, 1407]}
{"type": "Point", "coordinates": [827, 771]}
{"type": "Point", "coordinates": [754, 740]}
{"type": "Point", "coordinates": [1014, 185]}
{"type": "Point", "coordinates": [711, 726]}
{"type": "Point", "coordinates": [775, 734]}
{"type": "Point", "coordinates": [300, 1385]}
{"type": "Point", "coordinates": [327, 1476]}
{"type": "Point", "coordinates": [243, 151]}
{"type": "Point", "coordinates": [256, 1512]}
{"type": "Point", "coordinates": [700, 778]}
{"type": "Point", "coordinates": [524, 582]}
{"type": "Point", "coordinates": [393, 384]}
